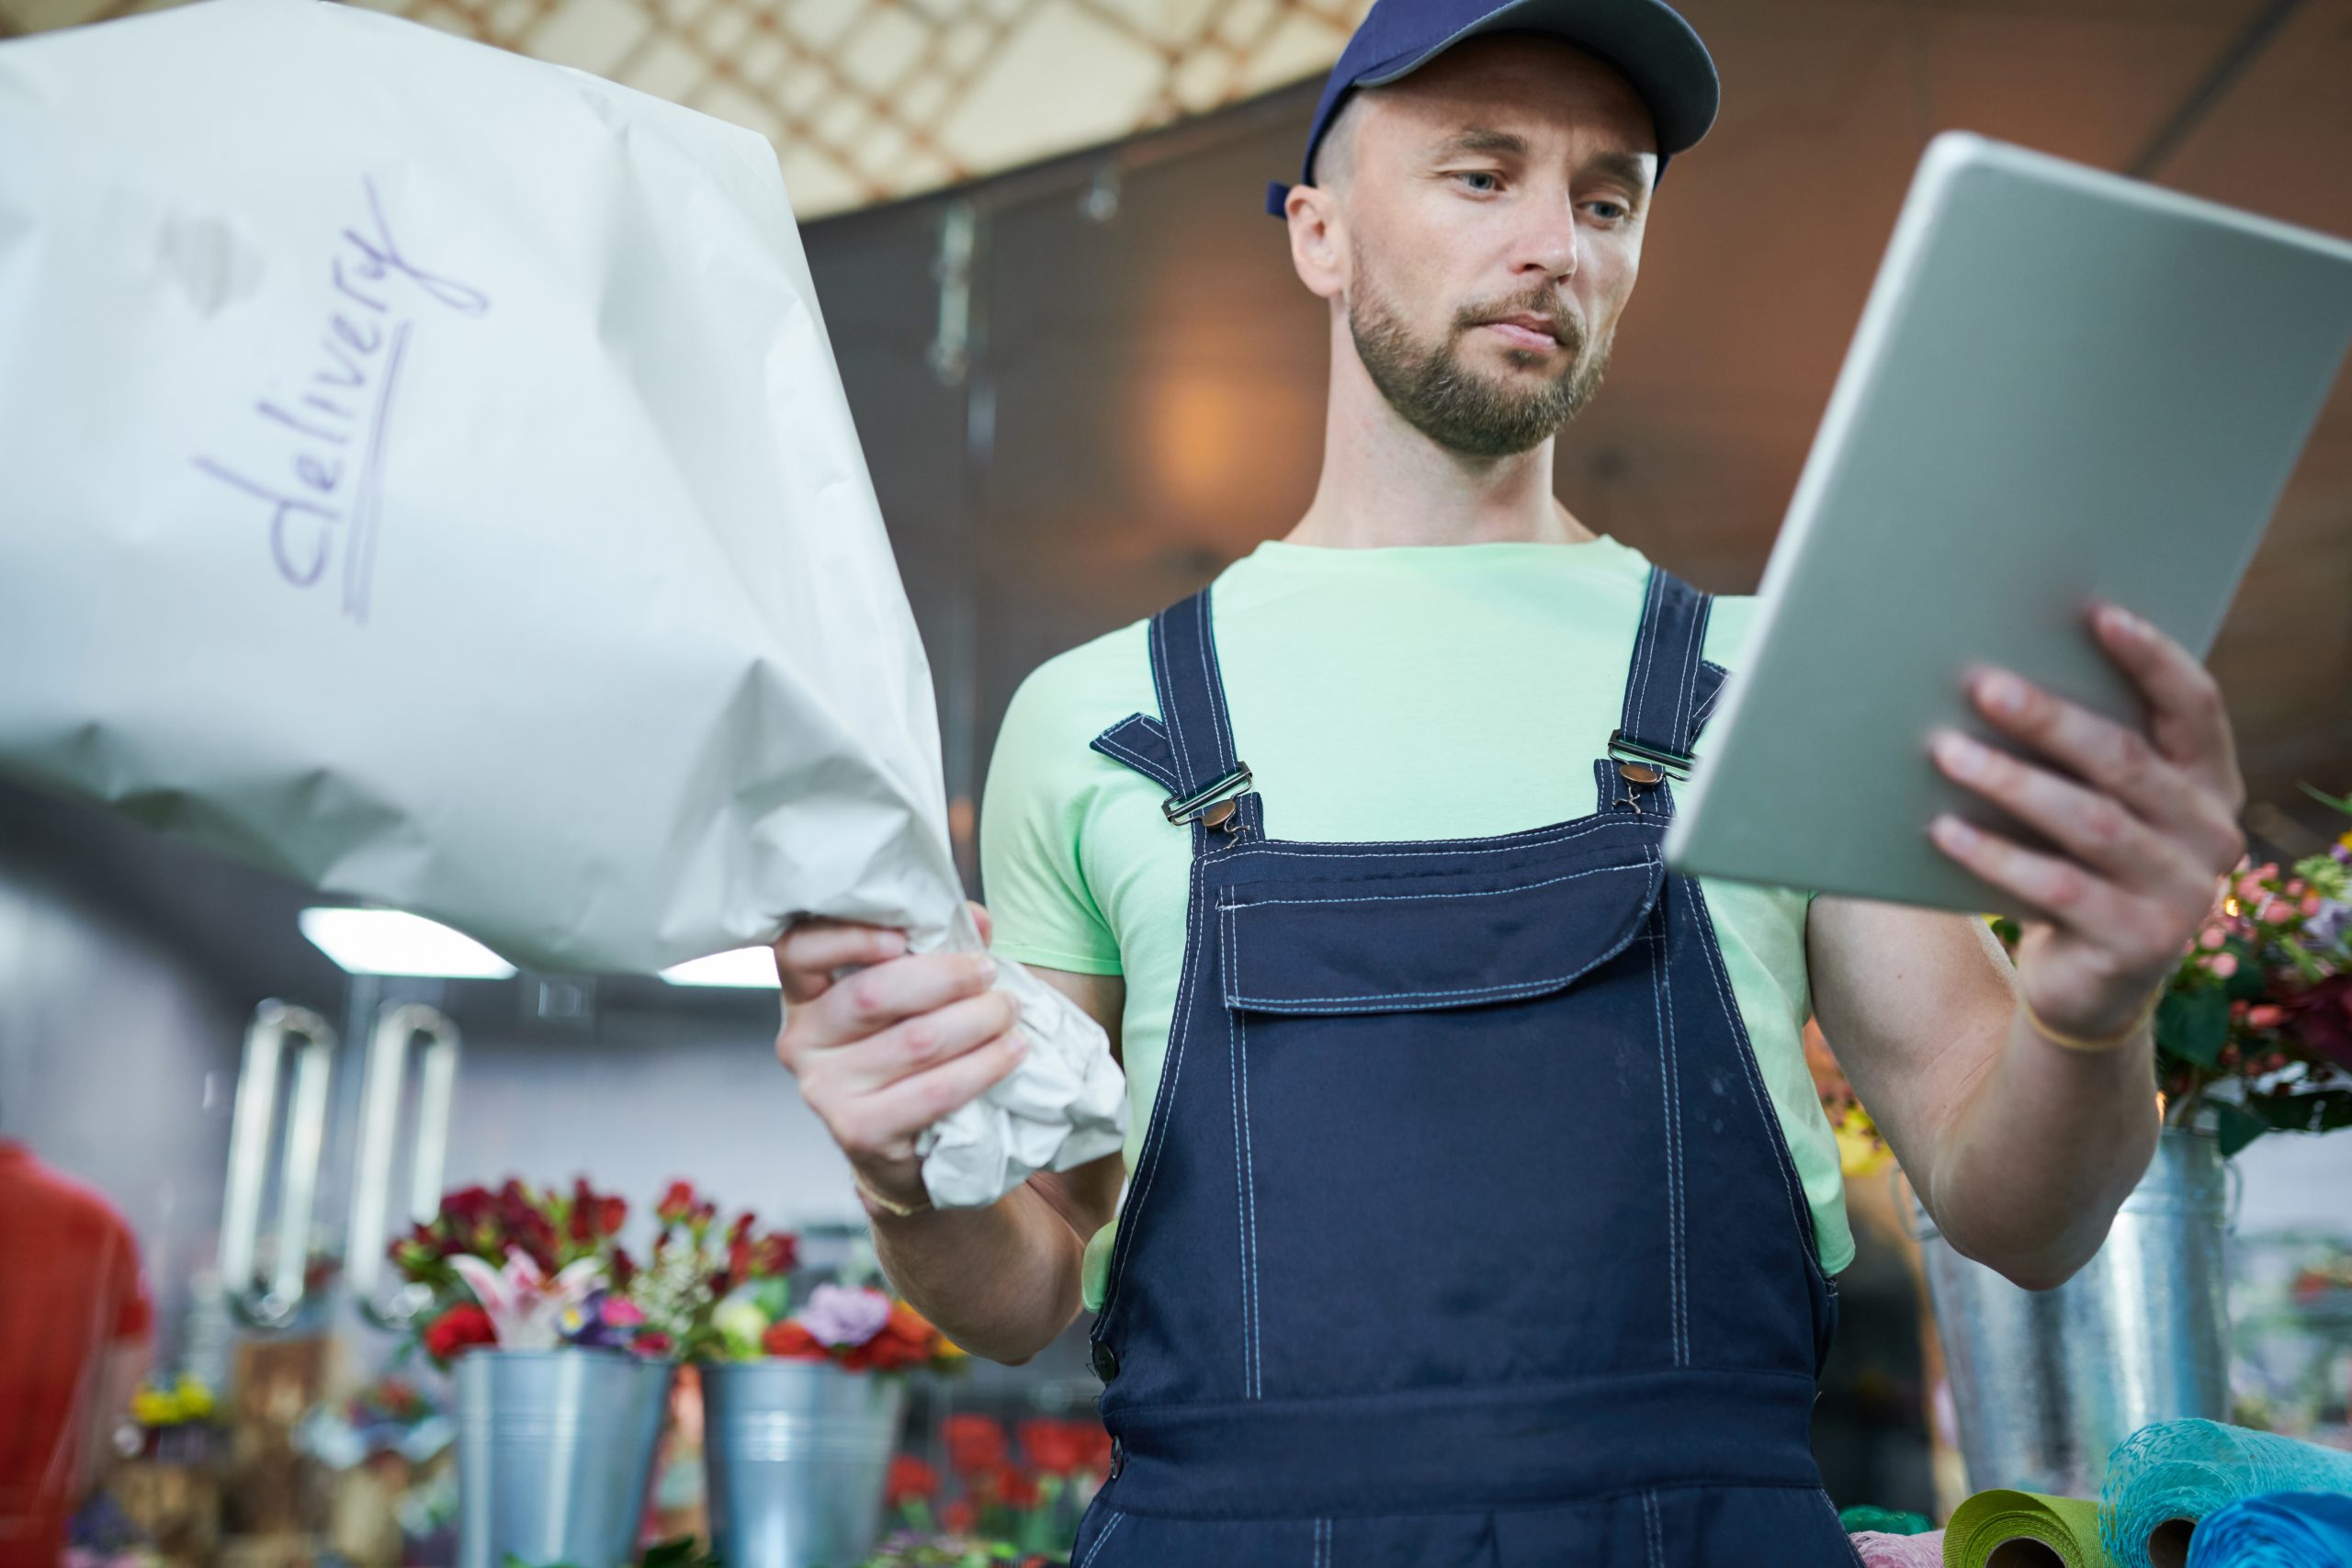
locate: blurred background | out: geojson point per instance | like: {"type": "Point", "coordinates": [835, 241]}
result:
{"type": "Point", "coordinates": [1086, 378]}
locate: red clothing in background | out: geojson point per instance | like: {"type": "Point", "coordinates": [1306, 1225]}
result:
{"type": "Point", "coordinates": [70, 1291]}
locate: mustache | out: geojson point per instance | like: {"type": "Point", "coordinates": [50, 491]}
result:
{"type": "Point", "coordinates": [1545, 308]}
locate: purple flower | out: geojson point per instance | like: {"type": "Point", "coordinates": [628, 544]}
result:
{"type": "Point", "coordinates": [841, 1315]}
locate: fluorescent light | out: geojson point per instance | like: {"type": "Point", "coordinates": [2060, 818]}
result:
{"type": "Point", "coordinates": [387, 942]}
{"type": "Point", "coordinates": [751, 968]}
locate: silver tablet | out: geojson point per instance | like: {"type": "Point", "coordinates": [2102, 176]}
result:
{"type": "Point", "coordinates": [2065, 385]}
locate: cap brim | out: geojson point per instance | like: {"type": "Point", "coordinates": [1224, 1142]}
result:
{"type": "Point", "coordinates": [1652, 46]}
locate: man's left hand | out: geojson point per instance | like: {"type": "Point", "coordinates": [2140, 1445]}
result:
{"type": "Point", "coordinates": [2148, 824]}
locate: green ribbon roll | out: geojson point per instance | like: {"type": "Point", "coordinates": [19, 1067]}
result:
{"type": "Point", "coordinates": [2024, 1530]}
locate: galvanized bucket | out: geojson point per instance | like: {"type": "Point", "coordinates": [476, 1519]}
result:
{"type": "Point", "coordinates": [2045, 1383]}
{"type": "Point", "coordinates": [555, 1451]}
{"type": "Point", "coordinates": [798, 1455]}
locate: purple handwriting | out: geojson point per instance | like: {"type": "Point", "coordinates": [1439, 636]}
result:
{"type": "Point", "coordinates": [332, 435]}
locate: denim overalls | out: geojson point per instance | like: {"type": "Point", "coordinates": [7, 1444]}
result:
{"type": "Point", "coordinates": [1463, 1232]}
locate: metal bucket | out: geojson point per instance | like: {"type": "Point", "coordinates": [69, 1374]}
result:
{"type": "Point", "coordinates": [2045, 1383]}
{"type": "Point", "coordinates": [555, 1451]}
{"type": "Point", "coordinates": [798, 1455]}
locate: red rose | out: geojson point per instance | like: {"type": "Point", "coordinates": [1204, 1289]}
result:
{"type": "Point", "coordinates": [774, 1255]}
{"type": "Point", "coordinates": [957, 1517]}
{"type": "Point", "coordinates": [911, 1478]}
{"type": "Point", "coordinates": [1056, 1446]}
{"type": "Point", "coordinates": [461, 1327]}
{"type": "Point", "coordinates": [676, 1203]}
{"type": "Point", "coordinates": [975, 1443]}
{"type": "Point", "coordinates": [653, 1342]}
{"type": "Point", "coordinates": [1015, 1486]}
{"type": "Point", "coordinates": [788, 1340]}
{"type": "Point", "coordinates": [611, 1214]}
{"type": "Point", "coordinates": [888, 1352]}
{"type": "Point", "coordinates": [624, 1269]}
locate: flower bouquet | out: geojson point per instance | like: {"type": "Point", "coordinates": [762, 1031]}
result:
{"type": "Point", "coordinates": [801, 1412]}
{"type": "Point", "coordinates": [2254, 1034]}
{"type": "Point", "coordinates": [563, 1347]}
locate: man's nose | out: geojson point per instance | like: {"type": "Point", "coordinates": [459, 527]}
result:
{"type": "Point", "coordinates": [1551, 244]}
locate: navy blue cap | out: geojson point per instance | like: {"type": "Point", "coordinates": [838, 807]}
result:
{"type": "Point", "coordinates": [1647, 40]}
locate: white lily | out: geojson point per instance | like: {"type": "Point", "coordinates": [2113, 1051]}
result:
{"type": "Point", "coordinates": [524, 1305]}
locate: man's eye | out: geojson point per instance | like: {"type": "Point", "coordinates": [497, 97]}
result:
{"type": "Point", "coordinates": [1610, 211]}
{"type": "Point", "coordinates": [1494, 181]}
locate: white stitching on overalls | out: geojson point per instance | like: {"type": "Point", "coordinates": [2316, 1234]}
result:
{"type": "Point", "coordinates": [1147, 1157]}
{"type": "Point", "coordinates": [1642, 865]}
{"type": "Point", "coordinates": [1186, 776]}
{"type": "Point", "coordinates": [1652, 1530]}
{"type": "Point", "coordinates": [1298, 849]}
{"type": "Point", "coordinates": [1697, 640]}
{"type": "Point", "coordinates": [1210, 676]}
{"type": "Point", "coordinates": [1645, 637]}
{"type": "Point", "coordinates": [1250, 1171]}
{"type": "Point", "coordinates": [1776, 1138]}
{"type": "Point", "coordinates": [1149, 766]}
{"type": "Point", "coordinates": [1244, 1199]}
{"type": "Point", "coordinates": [1677, 1260]}
{"type": "Point", "coordinates": [1096, 1549]}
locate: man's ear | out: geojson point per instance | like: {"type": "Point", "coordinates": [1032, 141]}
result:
{"type": "Point", "coordinates": [1319, 238]}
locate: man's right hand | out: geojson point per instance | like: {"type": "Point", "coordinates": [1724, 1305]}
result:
{"type": "Point", "coordinates": [885, 1043]}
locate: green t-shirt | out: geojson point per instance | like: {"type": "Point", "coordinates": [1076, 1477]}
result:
{"type": "Point", "coordinates": [1404, 692]}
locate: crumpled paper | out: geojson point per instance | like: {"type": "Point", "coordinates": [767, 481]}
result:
{"type": "Point", "coordinates": [427, 476]}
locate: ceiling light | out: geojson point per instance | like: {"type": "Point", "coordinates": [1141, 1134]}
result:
{"type": "Point", "coordinates": [387, 941]}
{"type": "Point", "coordinates": [751, 968]}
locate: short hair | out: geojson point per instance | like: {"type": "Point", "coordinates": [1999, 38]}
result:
{"type": "Point", "coordinates": [1335, 154]}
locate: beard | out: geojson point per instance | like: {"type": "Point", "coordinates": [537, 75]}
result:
{"type": "Point", "coordinates": [1459, 407]}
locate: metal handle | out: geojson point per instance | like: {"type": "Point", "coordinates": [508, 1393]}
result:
{"type": "Point", "coordinates": [365, 1239]}
{"type": "Point", "coordinates": [252, 1127]}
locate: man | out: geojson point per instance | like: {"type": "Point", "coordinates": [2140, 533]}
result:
{"type": "Point", "coordinates": [1481, 1211]}
{"type": "Point", "coordinates": [74, 1325]}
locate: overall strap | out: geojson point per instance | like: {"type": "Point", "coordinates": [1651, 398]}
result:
{"type": "Point", "coordinates": [1668, 684]}
{"type": "Point", "coordinates": [1190, 749]}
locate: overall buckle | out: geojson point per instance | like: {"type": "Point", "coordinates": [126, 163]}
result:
{"type": "Point", "coordinates": [1213, 804]}
{"type": "Point", "coordinates": [1647, 764]}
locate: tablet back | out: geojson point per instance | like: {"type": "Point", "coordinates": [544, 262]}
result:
{"type": "Point", "coordinates": [2066, 384]}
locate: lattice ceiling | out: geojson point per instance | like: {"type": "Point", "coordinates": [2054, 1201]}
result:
{"type": "Point", "coordinates": [869, 100]}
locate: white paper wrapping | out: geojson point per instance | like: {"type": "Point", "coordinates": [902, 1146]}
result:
{"type": "Point", "coordinates": [423, 472]}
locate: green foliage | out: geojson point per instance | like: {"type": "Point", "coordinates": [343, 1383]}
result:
{"type": "Point", "coordinates": [2195, 1025]}
{"type": "Point", "coordinates": [2236, 1126]}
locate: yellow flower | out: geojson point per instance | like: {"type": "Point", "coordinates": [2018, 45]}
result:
{"type": "Point", "coordinates": [187, 1400]}
{"type": "Point", "coordinates": [1861, 1152]}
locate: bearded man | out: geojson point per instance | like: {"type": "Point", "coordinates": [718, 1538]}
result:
{"type": "Point", "coordinates": [1478, 1206]}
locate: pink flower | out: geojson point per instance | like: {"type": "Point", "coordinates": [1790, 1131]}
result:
{"type": "Point", "coordinates": [2309, 905]}
{"type": "Point", "coordinates": [619, 1312]}
{"type": "Point", "coordinates": [2212, 938]}
{"type": "Point", "coordinates": [840, 1314]}
{"type": "Point", "coordinates": [2275, 910]}
{"type": "Point", "coordinates": [2224, 964]}
{"type": "Point", "coordinates": [2265, 1016]}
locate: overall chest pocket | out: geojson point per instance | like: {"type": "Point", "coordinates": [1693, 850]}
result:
{"type": "Point", "coordinates": [1435, 1084]}
{"type": "Point", "coordinates": [1415, 943]}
